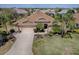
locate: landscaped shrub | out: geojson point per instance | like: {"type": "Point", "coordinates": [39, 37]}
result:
{"type": "Point", "coordinates": [50, 33]}
{"type": "Point", "coordinates": [4, 35]}
{"type": "Point", "coordinates": [40, 27]}
{"type": "Point", "coordinates": [56, 29]}
{"type": "Point", "coordinates": [68, 35]}
{"type": "Point", "coordinates": [12, 30]}
{"type": "Point", "coordinates": [38, 36]}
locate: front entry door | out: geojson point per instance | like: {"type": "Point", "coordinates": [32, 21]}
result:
{"type": "Point", "coordinates": [45, 26]}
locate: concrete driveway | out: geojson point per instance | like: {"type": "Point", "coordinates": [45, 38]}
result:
{"type": "Point", "coordinates": [23, 44]}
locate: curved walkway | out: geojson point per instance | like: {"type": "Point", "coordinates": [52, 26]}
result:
{"type": "Point", "coordinates": [23, 44]}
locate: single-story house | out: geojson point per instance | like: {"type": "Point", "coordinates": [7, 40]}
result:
{"type": "Point", "coordinates": [19, 11]}
{"type": "Point", "coordinates": [34, 18]}
{"type": "Point", "coordinates": [51, 12]}
{"type": "Point", "coordinates": [63, 11]}
{"type": "Point", "coordinates": [76, 16]}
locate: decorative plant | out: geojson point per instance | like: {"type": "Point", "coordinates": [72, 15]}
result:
{"type": "Point", "coordinates": [40, 27]}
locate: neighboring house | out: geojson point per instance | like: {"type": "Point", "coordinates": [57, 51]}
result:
{"type": "Point", "coordinates": [63, 11]}
{"type": "Point", "coordinates": [76, 16]}
{"type": "Point", "coordinates": [19, 11]}
{"type": "Point", "coordinates": [51, 12]}
{"type": "Point", "coordinates": [33, 19]}
{"type": "Point", "coordinates": [44, 10]}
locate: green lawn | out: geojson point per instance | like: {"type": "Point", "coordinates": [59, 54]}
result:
{"type": "Point", "coordinates": [56, 45]}
{"type": "Point", "coordinates": [2, 29]}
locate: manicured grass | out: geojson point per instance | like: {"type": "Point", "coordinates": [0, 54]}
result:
{"type": "Point", "coordinates": [56, 45]}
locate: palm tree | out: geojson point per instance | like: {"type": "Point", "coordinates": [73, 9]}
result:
{"type": "Point", "coordinates": [66, 20]}
{"type": "Point", "coordinates": [69, 20]}
{"type": "Point", "coordinates": [4, 19]}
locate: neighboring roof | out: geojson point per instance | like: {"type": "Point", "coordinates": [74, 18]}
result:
{"type": "Point", "coordinates": [19, 11]}
{"type": "Point", "coordinates": [76, 16]}
{"type": "Point", "coordinates": [0, 12]}
{"type": "Point", "coordinates": [63, 11]}
{"type": "Point", "coordinates": [44, 11]}
{"type": "Point", "coordinates": [35, 16]}
{"type": "Point", "coordinates": [48, 11]}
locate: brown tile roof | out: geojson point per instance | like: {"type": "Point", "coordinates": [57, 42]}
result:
{"type": "Point", "coordinates": [34, 17]}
